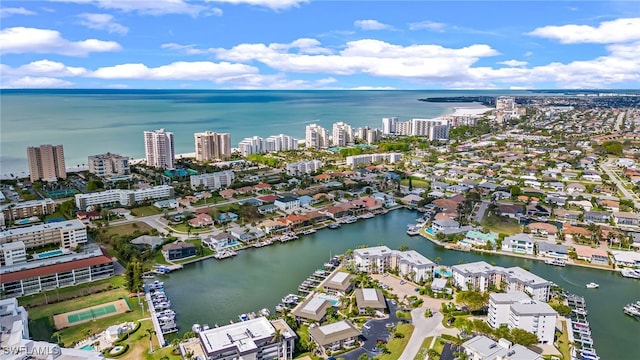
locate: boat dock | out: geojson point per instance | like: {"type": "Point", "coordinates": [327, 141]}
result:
{"type": "Point", "coordinates": [162, 316]}
{"type": "Point", "coordinates": [225, 254]}
{"type": "Point", "coordinates": [579, 329]}
{"type": "Point", "coordinates": [633, 309]}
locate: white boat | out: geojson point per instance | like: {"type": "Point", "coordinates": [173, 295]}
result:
{"type": "Point", "coordinates": [350, 220]}
{"type": "Point", "coordinates": [630, 273]}
{"type": "Point", "coordinates": [413, 231]}
{"type": "Point", "coordinates": [334, 225]}
{"type": "Point", "coordinates": [366, 216]}
{"type": "Point", "coordinates": [592, 285]}
{"type": "Point", "coordinates": [309, 231]}
{"type": "Point", "coordinates": [265, 312]}
{"type": "Point", "coordinates": [555, 262]}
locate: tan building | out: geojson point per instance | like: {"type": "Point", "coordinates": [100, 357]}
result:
{"type": "Point", "coordinates": [46, 162]}
{"type": "Point", "coordinates": [28, 209]}
{"type": "Point", "coordinates": [312, 309]}
{"type": "Point", "coordinates": [212, 146]}
{"type": "Point", "coordinates": [370, 298]}
{"type": "Point", "coordinates": [109, 165]}
{"type": "Point", "coordinates": [335, 336]}
{"type": "Point", "coordinates": [339, 283]}
{"type": "Point", "coordinates": [158, 148]}
{"type": "Point", "coordinates": [68, 234]}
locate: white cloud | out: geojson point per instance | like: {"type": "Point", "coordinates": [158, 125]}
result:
{"type": "Point", "coordinates": [372, 88]}
{"type": "Point", "coordinates": [528, 53]}
{"type": "Point", "coordinates": [513, 63]}
{"type": "Point", "coordinates": [6, 12]}
{"type": "Point", "coordinates": [153, 7]}
{"type": "Point", "coordinates": [35, 82]}
{"type": "Point", "coordinates": [428, 25]}
{"type": "Point", "coordinates": [46, 68]}
{"type": "Point", "coordinates": [20, 40]}
{"type": "Point", "coordinates": [186, 49]}
{"type": "Point", "coordinates": [271, 4]}
{"type": "Point", "coordinates": [181, 70]}
{"type": "Point", "coordinates": [608, 32]}
{"type": "Point", "coordinates": [371, 25]}
{"type": "Point", "coordinates": [102, 22]}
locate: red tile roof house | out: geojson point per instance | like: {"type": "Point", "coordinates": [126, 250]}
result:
{"type": "Point", "coordinates": [542, 228]}
{"type": "Point", "coordinates": [201, 220]}
{"type": "Point", "coordinates": [88, 216]}
{"type": "Point", "coordinates": [268, 199]}
{"type": "Point", "coordinates": [594, 256]}
{"type": "Point", "coordinates": [262, 186]}
{"type": "Point", "coordinates": [296, 221]}
{"type": "Point", "coordinates": [227, 193]}
{"type": "Point", "coordinates": [335, 212]}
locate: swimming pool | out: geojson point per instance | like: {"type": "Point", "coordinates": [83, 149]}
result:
{"type": "Point", "coordinates": [430, 231]}
{"type": "Point", "coordinates": [48, 254]}
{"type": "Point", "coordinates": [332, 301]}
{"type": "Point", "coordinates": [88, 348]}
{"type": "Point", "coordinates": [442, 272]}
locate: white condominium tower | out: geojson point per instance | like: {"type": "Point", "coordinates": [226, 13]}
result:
{"type": "Point", "coordinates": [389, 125]}
{"type": "Point", "coordinates": [342, 134]}
{"type": "Point", "coordinates": [280, 142]}
{"type": "Point", "coordinates": [434, 129]}
{"type": "Point", "coordinates": [316, 137]}
{"type": "Point", "coordinates": [252, 145]}
{"type": "Point", "coordinates": [212, 146]}
{"type": "Point", "coordinates": [46, 162]}
{"type": "Point", "coordinates": [159, 150]}
{"type": "Point", "coordinates": [368, 134]}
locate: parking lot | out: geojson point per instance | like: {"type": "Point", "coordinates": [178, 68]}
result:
{"type": "Point", "coordinates": [403, 288]}
{"type": "Point", "coordinates": [372, 332]}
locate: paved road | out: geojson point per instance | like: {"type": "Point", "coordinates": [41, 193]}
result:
{"type": "Point", "coordinates": [424, 327]}
{"type": "Point", "coordinates": [481, 210]}
{"type": "Point", "coordinates": [371, 332]}
{"type": "Point", "coordinates": [616, 180]}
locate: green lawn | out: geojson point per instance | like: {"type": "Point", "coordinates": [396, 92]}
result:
{"type": "Point", "coordinates": [563, 342]}
{"type": "Point", "coordinates": [56, 215]}
{"type": "Point", "coordinates": [416, 183]}
{"type": "Point", "coordinates": [498, 224]}
{"type": "Point", "coordinates": [70, 292]}
{"type": "Point", "coordinates": [126, 229]}
{"type": "Point", "coordinates": [41, 324]}
{"type": "Point", "coordinates": [396, 345]}
{"type": "Point", "coordinates": [146, 211]}
{"type": "Point", "coordinates": [184, 228]}
{"type": "Point", "coordinates": [422, 353]}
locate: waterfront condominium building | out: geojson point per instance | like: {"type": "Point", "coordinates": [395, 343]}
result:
{"type": "Point", "coordinates": [366, 159]}
{"type": "Point", "coordinates": [484, 348]}
{"type": "Point", "coordinates": [124, 197]}
{"type": "Point", "coordinates": [434, 129]}
{"type": "Point", "coordinates": [212, 181]}
{"type": "Point", "coordinates": [303, 167]}
{"type": "Point", "coordinates": [316, 137]}
{"type": "Point", "coordinates": [159, 149]}
{"type": "Point", "coordinates": [109, 165]}
{"type": "Point", "coordinates": [368, 134]}
{"type": "Point", "coordinates": [212, 146]}
{"type": "Point", "coordinates": [280, 142]}
{"type": "Point", "coordinates": [389, 125]}
{"type": "Point", "coordinates": [342, 134]}
{"type": "Point", "coordinates": [92, 263]}
{"type": "Point", "coordinates": [252, 339]}
{"type": "Point", "coordinates": [46, 162]}
{"type": "Point", "coordinates": [480, 276]}
{"type": "Point", "coordinates": [517, 310]}
{"type": "Point", "coordinates": [68, 234]}
{"type": "Point", "coordinates": [379, 259]}
{"type": "Point", "coordinates": [252, 145]}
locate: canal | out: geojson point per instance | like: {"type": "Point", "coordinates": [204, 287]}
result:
{"type": "Point", "coordinates": [215, 292]}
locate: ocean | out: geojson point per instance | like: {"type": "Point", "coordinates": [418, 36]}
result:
{"type": "Point", "coordinates": [89, 122]}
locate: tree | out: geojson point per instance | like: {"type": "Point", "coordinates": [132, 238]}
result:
{"type": "Point", "coordinates": [523, 337]}
{"type": "Point", "coordinates": [403, 247]}
{"type": "Point", "coordinates": [363, 356]}
{"type": "Point", "coordinates": [277, 337]}
{"type": "Point", "coordinates": [472, 299]}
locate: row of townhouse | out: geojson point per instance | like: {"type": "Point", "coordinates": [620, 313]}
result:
{"type": "Point", "coordinates": [379, 259]}
{"type": "Point", "coordinates": [124, 197]}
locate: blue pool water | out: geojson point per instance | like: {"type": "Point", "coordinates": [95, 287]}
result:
{"type": "Point", "coordinates": [440, 272]}
{"type": "Point", "coordinates": [430, 231]}
{"type": "Point", "coordinates": [87, 347]}
{"type": "Point", "coordinates": [49, 254]}
{"type": "Point", "coordinates": [23, 221]}
{"type": "Point", "coordinates": [333, 301]}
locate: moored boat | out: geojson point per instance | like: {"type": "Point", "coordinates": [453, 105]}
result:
{"type": "Point", "coordinates": [592, 285]}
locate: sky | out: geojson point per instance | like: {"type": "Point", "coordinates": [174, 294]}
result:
{"type": "Point", "coordinates": [319, 44]}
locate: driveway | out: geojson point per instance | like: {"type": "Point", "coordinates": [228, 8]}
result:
{"type": "Point", "coordinates": [371, 332]}
{"type": "Point", "coordinates": [481, 210]}
{"type": "Point", "coordinates": [423, 327]}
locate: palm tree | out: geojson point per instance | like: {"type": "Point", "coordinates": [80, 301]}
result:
{"type": "Point", "coordinates": [150, 332]}
{"type": "Point", "coordinates": [277, 336]}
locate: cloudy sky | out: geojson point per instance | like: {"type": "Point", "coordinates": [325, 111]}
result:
{"type": "Point", "coordinates": [319, 44]}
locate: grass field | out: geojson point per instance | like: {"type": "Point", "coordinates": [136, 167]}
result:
{"type": "Point", "coordinates": [126, 229]}
{"type": "Point", "coordinates": [498, 224]}
{"type": "Point", "coordinates": [563, 342]}
{"type": "Point", "coordinates": [41, 324]}
{"type": "Point", "coordinates": [422, 353]}
{"type": "Point", "coordinates": [396, 345]}
{"type": "Point", "coordinates": [416, 183]}
{"type": "Point", "coordinates": [70, 292]}
{"type": "Point", "coordinates": [146, 211]}
{"type": "Point", "coordinates": [184, 228]}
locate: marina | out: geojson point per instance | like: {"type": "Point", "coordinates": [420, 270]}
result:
{"type": "Point", "coordinates": [258, 278]}
{"type": "Point", "coordinates": [163, 318]}
{"type": "Point", "coordinates": [633, 309]}
{"type": "Point", "coordinates": [579, 329]}
{"type": "Point", "coordinates": [630, 273]}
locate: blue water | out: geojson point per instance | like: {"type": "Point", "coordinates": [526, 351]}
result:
{"type": "Point", "coordinates": [90, 122]}
{"type": "Point", "coordinates": [49, 254]}
{"type": "Point", "coordinates": [87, 347]}
{"type": "Point", "coordinates": [333, 301]}
{"type": "Point", "coordinates": [430, 231]}
{"type": "Point", "coordinates": [22, 221]}
{"type": "Point", "coordinates": [439, 272]}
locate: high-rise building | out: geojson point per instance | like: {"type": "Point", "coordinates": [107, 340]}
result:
{"type": "Point", "coordinates": [46, 162]}
{"type": "Point", "coordinates": [280, 142]}
{"type": "Point", "coordinates": [369, 135]}
{"type": "Point", "coordinates": [316, 137]}
{"type": "Point", "coordinates": [252, 145]}
{"type": "Point", "coordinates": [434, 129]}
{"type": "Point", "coordinates": [342, 134]}
{"type": "Point", "coordinates": [159, 149]}
{"type": "Point", "coordinates": [212, 146]}
{"type": "Point", "coordinates": [109, 165]}
{"type": "Point", "coordinates": [389, 125]}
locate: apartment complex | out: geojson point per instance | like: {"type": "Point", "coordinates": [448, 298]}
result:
{"type": "Point", "coordinates": [13, 253]}
{"type": "Point", "coordinates": [68, 234]}
{"type": "Point", "coordinates": [480, 276]}
{"type": "Point", "coordinates": [366, 159]}
{"type": "Point", "coordinates": [335, 336]}
{"type": "Point", "coordinates": [124, 197]}
{"type": "Point", "coordinates": [303, 167]}
{"type": "Point", "coordinates": [212, 181]}
{"type": "Point", "coordinates": [379, 259]}
{"type": "Point", "coordinates": [316, 137]}
{"type": "Point", "coordinates": [28, 209]}
{"type": "Point", "coordinates": [159, 149]}
{"type": "Point", "coordinates": [252, 145]}
{"type": "Point", "coordinates": [32, 277]}
{"type": "Point", "coordinates": [389, 125]}
{"type": "Point", "coordinates": [434, 129]}
{"type": "Point", "coordinates": [518, 310]}
{"type": "Point", "coordinates": [251, 339]}
{"type": "Point", "coordinates": [212, 146]}
{"type": "Point", "coordinates": [368, 134]}
{"type": "Point", "coordinates": [258, 145]}
{"type": "Point", "coordinates": [46, 162]}
{"type": "Point", "coordinates": [342, 134]}
{"type": "Point", "coordinates": [109, 165]}
{"type": "Point", "coordinates": [484, 348]}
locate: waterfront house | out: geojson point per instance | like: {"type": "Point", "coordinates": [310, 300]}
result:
{"type": "Point", "coordinates": [626, 218]}
{"type": "Point", "coordinates": [147, 240]}
{"type": "Point", "coordinates": [311, 309]}
{"type": "Point", "coordinates": [335, 212]}
{"type": "Point", "coordinates": [267, 209]}
{"type": "Point", "coordinates": [478, 238]}
{"type": "Point", "coordinates": [241, 234]}
{"type": "Point", "coordinates": [370, 298]}
{"type": "Point", "coordinates": [339, 283]}
{"type": "Point", "coordinates": [443, 225]}
{"type": "Point", "coordinates": [201, 220]}
{"type": "Point", "coordinates": [592, 255]}
{"type": "Point", "coordinates": [446, 205]}
{"type": "Point", "coordinates": [411, 199]}
{"type": "Point", "coordinates": [335, 336]}
{"type": "Point", "coordinates": [555, 251]}
{"type": "Point", "coordinates": [626, 258]}
{"type": "Point", "coordinates": [272, 225]}
{"type": "Point", "coordinates": [597, 217]}
{"type": "Point", "coordinates": [287, 203]}
{"type": "Point", "coordinates": [317, 217]}
{"type": "Point", "coordinates": [219, 241]}
{"type": "Point", "coordinates": [179, 250]}
{"type": "Point", "coordinates": [386, 199]}
{"type": "Point", "coordinates": [519, 243]}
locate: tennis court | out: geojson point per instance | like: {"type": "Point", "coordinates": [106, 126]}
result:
{"type": "Point", "coordinates": [88, 314]}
